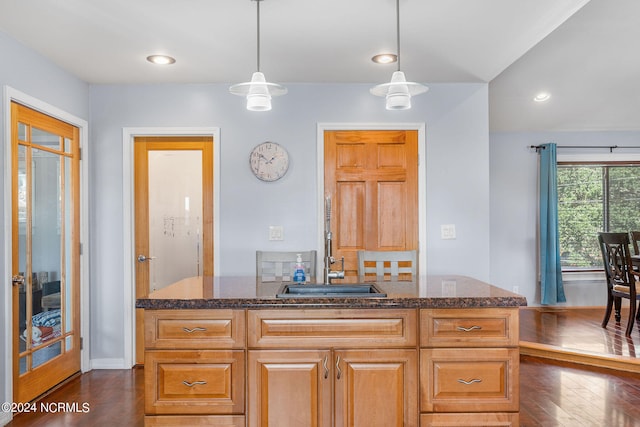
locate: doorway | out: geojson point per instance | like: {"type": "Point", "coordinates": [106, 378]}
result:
{"type": "Point", "coordinates": [45, 251]}
{"type": "Point", "coordinates": [388, 152]}
{"type": "Point", "coordinates": [173, 201]}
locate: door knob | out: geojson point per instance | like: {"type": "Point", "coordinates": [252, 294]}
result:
{"type": "Point", "coordinates": [143, 258]}
{"type": "Point", "coordinates": [17, 280]}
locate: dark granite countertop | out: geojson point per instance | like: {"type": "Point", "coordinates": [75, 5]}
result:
{"type": "Point", "coordinates": [243, 292]}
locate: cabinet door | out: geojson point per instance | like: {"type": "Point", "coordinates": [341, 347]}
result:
{"type": "Point", "coordinates": [289, 388]}
{"type": "Point", "coordinates": [463, 327]}
{"type": "Point", "coordinates": [200, 329]}
{"type": "Point", "coordinates": [194, 382]}
{"type": "Point", "coordinates": [376, 388]}
{"type": "Point", "coordinates": [469, 380]}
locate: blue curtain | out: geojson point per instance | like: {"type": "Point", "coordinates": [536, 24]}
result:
{"type": "Point", "coordinates": [552, 291]}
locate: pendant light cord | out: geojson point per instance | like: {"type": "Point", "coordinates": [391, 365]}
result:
{"type": "Point", "coordinates": [398, 31]}
{"type": "Point", "coordinates": [258, 33]}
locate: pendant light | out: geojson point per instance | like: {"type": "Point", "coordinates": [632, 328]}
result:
{"type": "Point", "coordinates": [398, 91]}
{"type": "Point", "coordinates": [258, 91]}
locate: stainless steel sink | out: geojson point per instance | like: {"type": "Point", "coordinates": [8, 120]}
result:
{"type": "Point", "coordinates": [330, 291]}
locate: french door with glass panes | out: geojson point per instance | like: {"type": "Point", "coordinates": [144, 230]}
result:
{"type": "Point", "coordinates": [45, 252]}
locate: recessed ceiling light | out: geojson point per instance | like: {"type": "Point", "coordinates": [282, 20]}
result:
{"type": "Point", "coordinates": [385, 58]}
{"type": "Point", "coordinates": [542, 96]}
{"type": "Point", "coordinates": [160, 59]}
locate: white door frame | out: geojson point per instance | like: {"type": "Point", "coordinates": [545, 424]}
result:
{"type": "Point", "coordinates": [422, 181]}
{"type": "Point", "coordinates": [11, 94]}
{"type": "Point", "coordinates": [128, 250]}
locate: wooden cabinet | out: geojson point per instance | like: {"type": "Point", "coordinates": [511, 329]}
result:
{"type": "Point", "coordinates": [369, 388]}
{"type": "Point", "coordinates": [315, 328]}
{"type": "Point", "coordinates": [289, 388]}
{"type": "Point", "coordinates": [376, 388]}
{"type": "Point", "coordinates": [373, 384]}
{"type": "Point", "coordinates": [470, 420]}
{"type": "Point", "coordinates": [195, 367]}
{"type": "Point", "coordinates": [469, 363]}
{"type": "Point", "coordinates": [332, 367]}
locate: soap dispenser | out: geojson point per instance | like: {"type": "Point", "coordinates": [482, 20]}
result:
{"type": "Point", "coordinates": [298, 272]}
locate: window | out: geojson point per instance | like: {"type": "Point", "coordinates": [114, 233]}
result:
{"type": "Point", "coordinates": [594, 198]}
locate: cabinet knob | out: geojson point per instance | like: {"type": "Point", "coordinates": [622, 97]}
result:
{"type": "Point", "coordinates": [338, 367]}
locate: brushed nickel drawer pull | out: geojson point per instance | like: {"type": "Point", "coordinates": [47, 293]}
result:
{"type": "Point", "coordinates": [463, 329]}
{"type": "Point", "coordinates": [475, 380]}
{"type": "Point", "coordinates": [326, 368]}
{"type": "Point", "coordinates": [196, 329]}
{"type": "Point", "coordinates": [188, 384]}
{"type": "Point", "coordinates": [338, 367]}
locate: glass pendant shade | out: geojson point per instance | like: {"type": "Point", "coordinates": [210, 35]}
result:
{"type": "Point", "coordinates": [258, 92]}
{"type": "Point", "coordinates": [398, 91]}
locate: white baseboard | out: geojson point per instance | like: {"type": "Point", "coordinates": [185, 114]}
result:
{"type": "Point", "coordinates": [109, 364]}
{"type": "Point", "coordinates": [5, 418]}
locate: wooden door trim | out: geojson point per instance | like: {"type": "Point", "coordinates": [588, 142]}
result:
{"type": "Point", "coordinates": [13, 95]}
{"type": "Point", "coordinates": [422, 182]}
{"type": "Point", "coordinates": [128, 279]}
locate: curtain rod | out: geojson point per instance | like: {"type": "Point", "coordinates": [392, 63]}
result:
{"type": "Point", "coordinates": [609, 147]}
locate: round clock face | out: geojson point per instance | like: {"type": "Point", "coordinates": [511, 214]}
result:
{"type": "Point", "coordinates": [269, 161]}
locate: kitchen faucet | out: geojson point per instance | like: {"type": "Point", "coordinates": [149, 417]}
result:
{"type": "Point", "coordinates": [328, 256]}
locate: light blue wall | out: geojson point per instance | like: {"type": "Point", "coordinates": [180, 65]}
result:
{"type": "Point", "coordinates": [457, 164]}
{"type": "Point", "coordinates": [514, 180]}
{"type": "Point", "coordinates": [27, 72]}
{"type": "Point", "coordinates": [457, 161]}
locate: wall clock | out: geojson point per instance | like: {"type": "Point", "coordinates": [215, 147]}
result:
{"type": "Point", "coordinates": [269, 161]}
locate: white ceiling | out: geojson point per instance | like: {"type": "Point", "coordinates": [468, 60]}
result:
{"type": "Point", "coordinates": [588, 63]}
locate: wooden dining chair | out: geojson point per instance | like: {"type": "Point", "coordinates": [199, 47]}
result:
{"type": "Point", "coordinates": [276, 266]}
{"type": "Point", "coordinates": [622, 280]}
{"type": "Point", "coordinates": [635, 240]}
{"type": "Point", "coordinates": [383, 265]}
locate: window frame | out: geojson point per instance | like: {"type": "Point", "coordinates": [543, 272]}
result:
{"type": "Point", "coordinates": [593, 159]}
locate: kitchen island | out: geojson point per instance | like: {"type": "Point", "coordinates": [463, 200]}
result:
{"type": "Point", "coordinates": [442, 350]}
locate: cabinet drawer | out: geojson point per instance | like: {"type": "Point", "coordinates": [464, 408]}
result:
{"type": "Point", "coordinates": [194, 382]}
{"type": "Point", "coordinates": [375, 328]}
{"type": "Point", "coordinates": [487, 327]}
{"type": "Point", "coordinates": [499, 419]}
{"type": "Point", "coordinates": [469, 380]}
{"type": "Point", "coordinates": [194, 420]}
{"type": "Point", "coordinates": [198, 329]}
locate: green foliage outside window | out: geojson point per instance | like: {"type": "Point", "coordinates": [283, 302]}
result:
{"type": "Point", "coordinates": [594, 198]}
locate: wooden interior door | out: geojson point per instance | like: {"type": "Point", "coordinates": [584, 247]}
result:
{"type": "Point", "coordinates": [173, 179]}
{"type": "Point", "coordinates": [45, 251]}
{"type": "Point", "coordinates": [372, 178]}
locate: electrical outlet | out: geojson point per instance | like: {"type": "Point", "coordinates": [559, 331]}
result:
{"type": "Point", "coordinates": [516, 289]}
{"type": "Point", "coordinates": [449, 288]}
{"type": "Point", "coordinates": [276, 232]}
{"type": "Point", "coordinates": [448, 231]}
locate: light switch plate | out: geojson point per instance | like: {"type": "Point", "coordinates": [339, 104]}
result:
{"type": "Point", "coordinates": [448, 231]}
{"type": "Point", "coordinates": [276, 232]}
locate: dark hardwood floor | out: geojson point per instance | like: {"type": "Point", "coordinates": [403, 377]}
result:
{"type": "Point", "coordinates": [575, 335]}
{"type": "Point", "coordinates": [115, 398]}
{"type": "Point", "coordinates": [578, 328]}
{"type": "Point", "coordinates": [569, 392]}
